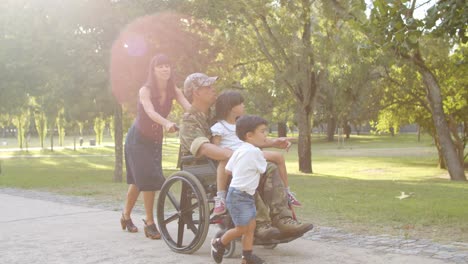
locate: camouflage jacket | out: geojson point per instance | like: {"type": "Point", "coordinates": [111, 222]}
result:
{"type": "Point", "coordinates": [194, 131]}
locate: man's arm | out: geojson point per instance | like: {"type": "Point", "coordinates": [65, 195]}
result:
{"type": "Point", "coordinates": [214, 152]}
{"type": "Point", "coordinates": [281, 143]}
{"type": "Point", "coordinates": [194, 138]}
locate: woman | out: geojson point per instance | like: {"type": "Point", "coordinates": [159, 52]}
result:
{"type": "Point", "coordinates": [143, 145]}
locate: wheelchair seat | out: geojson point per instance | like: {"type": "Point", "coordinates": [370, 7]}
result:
{"type": "Point", "coordinates": [202, 168]}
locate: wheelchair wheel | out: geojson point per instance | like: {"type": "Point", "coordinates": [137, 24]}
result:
{"type": "Point", "coordinates": [183, 213]}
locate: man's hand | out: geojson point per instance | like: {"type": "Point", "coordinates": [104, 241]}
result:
{"type": "Point", "coordinates": [281, 143]}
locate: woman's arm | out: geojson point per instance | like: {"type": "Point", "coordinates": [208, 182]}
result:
{"type": "Point", "coordinates": [180, 98]}
{"type": "Point", "coordinates": [145, 101]}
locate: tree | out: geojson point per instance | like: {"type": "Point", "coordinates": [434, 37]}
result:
{"type": "Point", "coordinates": [21, 121]}
{"type": "Point", "coordinates": [348, 64]}
{"type": "Point", "coordinates": [40, 121]}
{"type": "Point", "coordinates": [282, 31]}
{"type": "Point", "coordinates": [393, 27]}
{"type": "Point", "coordinates": [405, 98]}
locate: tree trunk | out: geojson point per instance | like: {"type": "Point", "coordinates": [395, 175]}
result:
{"type": "Point", "coordinates": [118, 140]}
{"type": "Point", "coordinates": [419, 133]}
{"type": "Point", "coordinates": [44, 130]}
{"type": "Point", "coordinates": [440, 154]}
{"type": "Point", "coordinates": [282, 129]}
{"type": "Point", "coordinates": [358, 128]}
{"type": "Point", "coordinates": [304, 144]}
{"type": "Point", "coordinates": [331, 127]}
{"type": "Point", "coordinates": [19, 132]}
{"type": "Point", "coordinates": [457, 140]}
{"type": "Point", "coordinates": [465, 138]}
{"type": "Point", "coordinates": [455, 168]}
{"type": "Point", "coordinates": [52, 137]}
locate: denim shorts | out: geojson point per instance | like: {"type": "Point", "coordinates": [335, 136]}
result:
{"type": "Point", "coordinates": [241, 206]}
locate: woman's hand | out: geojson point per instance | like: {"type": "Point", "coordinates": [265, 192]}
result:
{"type": "Point", "coordinates": [171, 127]}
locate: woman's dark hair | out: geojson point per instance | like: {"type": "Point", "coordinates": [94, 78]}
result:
{"type": "Point", "coordinates": [248, 123]}
{"type": "Point", "coordinates": [226, 101]}
{"type": "Point", "coordinates": [159, 59]}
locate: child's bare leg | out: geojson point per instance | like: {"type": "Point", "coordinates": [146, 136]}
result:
{"type": "Point", "coordinates": [234, 233]}
{"type": "Point", "coordinates": [248, 236]}
{"type": "Point", "coordinates": [218, 245]}
{"type": "Point", "coordinates": [247, 245]}
{"type": "Point", "coordinates": [221, 184]}
{"type": "Point", "coordinates": [278, 159]}
{"type": "Point", "coordinates": [221, 178]}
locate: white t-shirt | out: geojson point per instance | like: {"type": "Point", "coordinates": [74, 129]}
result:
{"type": "Point", "coordinates": [246, 164]}
{"type": "Point", "coordinates": [227, 132]}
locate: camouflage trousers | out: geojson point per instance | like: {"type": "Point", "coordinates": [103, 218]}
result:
{"type": "Point", "coordinates": [270, 199]}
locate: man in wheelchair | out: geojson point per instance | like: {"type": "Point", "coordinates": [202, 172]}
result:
{"type": "Point", "coordinates": [274, 217]}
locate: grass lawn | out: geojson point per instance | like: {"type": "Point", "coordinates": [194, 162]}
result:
{"type": "Point", "coordinates": [354, 186]}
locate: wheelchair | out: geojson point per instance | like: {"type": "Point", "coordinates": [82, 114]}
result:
{"type": "Point", "coordinates": [185, 206]}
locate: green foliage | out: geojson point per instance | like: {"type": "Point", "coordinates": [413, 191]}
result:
{"type": "Point", "coordinates": [348, 93]}
{"type": "Point", "coordinates": [395, 26]}
{"type": "Point", "coordinates": [449, 18]}
{"type": "Point", "coordinates": [451, 71]}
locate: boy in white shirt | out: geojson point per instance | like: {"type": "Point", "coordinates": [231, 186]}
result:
{"type": "Point", "coordinates": [246, 164]}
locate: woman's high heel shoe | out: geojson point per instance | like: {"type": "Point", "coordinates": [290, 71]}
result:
{"type": "Point", "coordinates": [151, 231]}
{"type": "Point", "coordinates": [128, 224]}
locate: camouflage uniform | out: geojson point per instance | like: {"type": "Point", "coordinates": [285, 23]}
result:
{"type": "Point", "coordinates": [195, 131]}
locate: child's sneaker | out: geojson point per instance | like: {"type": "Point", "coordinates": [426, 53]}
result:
{"type": "Point", "coordinates": [220, 206]}
{"type": "Point", "coordinates": [253, 259]}
{"type": "Point", "coordinates": [217, 250]}
{"type": "Point", "coordinates": [293, 200]}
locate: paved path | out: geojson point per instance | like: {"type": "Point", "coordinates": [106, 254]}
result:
{"type": "Point", "coordinates": [37, 227]}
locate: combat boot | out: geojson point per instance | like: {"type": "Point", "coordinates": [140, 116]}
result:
{"type": "Point", "coordinates": [266, 232]}
{"type": "Point", "coordinates": [291, 227]}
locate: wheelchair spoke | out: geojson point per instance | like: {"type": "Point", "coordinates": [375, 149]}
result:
{"type": "Point", "coordinates": [192, 227]}
{"type": "Point", "coordinates": [173, 200]}
{"type": "Point", "coordinates": [180, 233]}
{"type": "Point", "coordinates": [171, 218]}
{"type": "Point", "coordinates": [189, 210]}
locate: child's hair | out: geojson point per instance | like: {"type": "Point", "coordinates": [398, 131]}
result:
{"type": "Point", "coordinates": [226, 101]}
{"type": "Point", "coordinates": [248, 123]}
